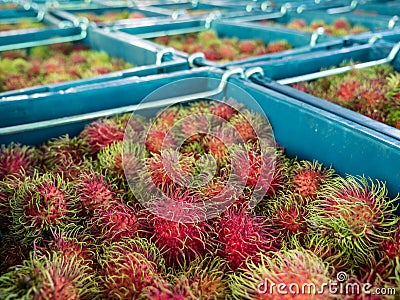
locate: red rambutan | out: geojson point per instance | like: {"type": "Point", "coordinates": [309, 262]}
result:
{"type": "Point", "coordinates": [114, 222]}
{"type": "Point", "coordinates": [294, 269]}
{"type": "Point", "coordinates": [247, 47]}
{"type": "Point", "coordinates": [43, 202]}
{"type": "Point", "coordinates": [278, 46]}
{"type": "Point", "coordinates": [242, 236]}
{"type": "Point", "coordinates": [129, 268]}
{"type": "Point", "coordinates": [227, 52]}
{"type": "Point", "coordinates": [16, 159]}
{"type": "Point", "coordinates": [342, 24]}
{"type": "Point", "coordinates": [49, 276]}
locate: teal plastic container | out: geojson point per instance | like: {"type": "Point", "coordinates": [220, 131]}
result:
{"type": "Point", "coordinates": [389, 8]}
{"type": "Point", "coordinates": [299, 40]}
{"type": "Point", "coordinates": [304, 130]}
{"type": "Point", "coordinates": [146, 59]}
{"type": "Point", "coordinates": [277, 75]}
{"type": "Point", "coordinates": [72, 15]}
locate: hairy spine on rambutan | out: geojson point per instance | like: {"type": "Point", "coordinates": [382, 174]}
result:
{"type": "Point", "coordinates": [294, 268]}
{"type": "Point", "coordinates": [49, 276]}
{"type": "Point", "coordinates": [16, 159]}
{"type": "Point", "coordinates": [358, 213]}
{"type": "Point", "coordinates": [204, 278]}
{"type": "Point", "coordinates": [93, 192]}
{"type": "Point", "coordinates": [180, 242]}
{"type": "Point", "coordinates": [65, 155]}
{"type": "Point", "coordinates": [309, 178]}
{"type": "Point", "coordinates": [114, 222]}
{"type": "Point", "coordinates": [41, 203]}
{"type": "Point", "coordinates": [12, 253]}
{"type": "Point", "coordinates": [242, 236]}
{"type": "Point", "coordinates": [129, 268]}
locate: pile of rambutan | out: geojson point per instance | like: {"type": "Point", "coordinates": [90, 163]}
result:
{"type": "Point", "coordinates": [52, 64]}
{"type": "Point", "coordinates": [221, 49]}
{"type": "Point", "coordinates": [71, 227]}
{"type": "Point", "coordinates": [373, 92]}
{"type": "Point", "coordinates": [110, 16]}
{"type": "Point", "coordinates": [21, 24]}
{"type": "Point", "coordinates": [339, 27]}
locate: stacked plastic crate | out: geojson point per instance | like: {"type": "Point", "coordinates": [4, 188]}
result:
{"type": "Point", "coordinates": [199, 150]}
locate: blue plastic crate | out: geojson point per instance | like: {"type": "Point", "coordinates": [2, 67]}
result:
{"type": "Point", "coordinates": [299, 40]}
{"type": "Point", "coordinates": [305, 131]}
{"type": "Point", "coordinates": [283, 18]}
{"type": "Point", "coordinates": [72, 15]}
{"type": "Point", "coordinates": [146, 59]}
{"type": "Point", "coordinates": [278, 75]}
{"type": "Point", "coordinates": [389, 8]}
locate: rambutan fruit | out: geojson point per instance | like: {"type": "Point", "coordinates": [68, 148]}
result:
{"type": "Point", "coordinates": [245, 126]}
{"type": "Point", "coordinates": [49, 276]}
{"type": "Point", "coordinates": [292, 269]}
{"type": "Point", "coordinates": [287, 214]}
{"type": "Point", "coordinates": [242, 236]}
{"type": "Point", "coordinates": [114, 222]}
{"type": "Point", "coordinates": [296, 24]}
{"type": "Point", "coordinates": [358, 213]}
{"type": "Point", "coordinates": [205, 37]}
{"type": "Point", "coordinates": [72, 242]}
{"type": "Point", "coordinates": [94, 192]}
{"type": "Point", "coordinates": [164, 40]}
{"type": "Point", "coordinates": [15, 159]}
{"type": "Point", "coordinates": [204, 278]}
{"type": "Point", "coordinates": [247, 47]}
{"type": "Point", "coordinates": [391, 247]}
{"type": "Point", "coordinates": [102, 133]}
{"type": "Point", "coordinates": [169, 168]}
{"type": "Point", "coordinates": [211, 54]}
{"type": "Point", "coordinates": [342, 24]}
{"type": "Point", "coordinates": [225, 110]}
{"type": "Point", "coordinates": [156, 140]}
{"type": "Point", "coordinates": [278, 46]}
{"type": "Point", "coordinates": [12, 253]}
{"type": "Point", "coordinates": [180, 242]}
{"type": "Point", "coordinates": [65, 155]}
{"type": "Point", "coordinates": [15, 82]}
{"type": "Point", "coordinates": [309, 178]}
{"type": "Point", "coordinates": [129, 268]}
{"type": "Point", "coordinates": [41, 203]}
{"type": "Point", "coordinates": [227, 52]}
{"type": "Point", "coordinates": [64, 48]}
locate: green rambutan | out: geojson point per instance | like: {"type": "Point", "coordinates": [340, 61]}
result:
{"type": "Point", "coordinates": [294, 269]}
{"type": "Point", "coordinates": [358, 213]}
{"type": "Point", "coordinates": [242, 236]}
{"type": "Point", "coordinates": [16, 159]}
{"type": "Point", "coordinates": [41, 203]}
{"type": "Point", "coordinates": [49, 276]}
{"type": "Point", "coordinates": [129, 268]}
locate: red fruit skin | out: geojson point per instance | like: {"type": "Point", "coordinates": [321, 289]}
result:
{"type": "Point", "coordinates": [114, 222]}
{"type": "Point", "coordinates": [277, 47]}
{"type": "Point", "coordinates": [211, 54]}
{"type": "Point", "coordinates": [227, 52]}
{"type": "Point", "coordinates": [347, 90]}
{"type": "Point", "coordinates": [341, 24]}
{"type": "Point", "coordinates": [12, 253]}
{"type": "Point", "coordinates": [155, 139]}
{"type": "Point", "coordinates": [306, 183]}
{"type": "Point", "coordinates": [243, 236]}
{"type": "Point", "coordinates": [94, 193]}
{"type": "Point", "coordinates": [15, 82]}
{"type": "Point", "coordinates": [223, 110]}
{"type": "Point", "coordinates": [136, 15]}
{"type": "Point", "coordinates": [179, 242]}
{"type": "Point", "coordinates": [247, 47]}
{"type": "Point", "coordinates": [102, 133]}
{"type": "Point", "coordinates": [15, 158]}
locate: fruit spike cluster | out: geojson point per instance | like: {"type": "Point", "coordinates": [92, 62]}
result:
{"type": "Point", "coordinates": [339, 27]}
{"type": "Point", "coordinates": [221, 49]}
{"type": "Point", "coordinates": [22, 24]}
{"type": "Point", "coordinates": [111, 16]}
{"type": "Point", "coordinates": [71, 229]}
{"type": "Point", "coordinates": [52, 64]}
{"type": "Point", "coordinates": [373, 92]}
